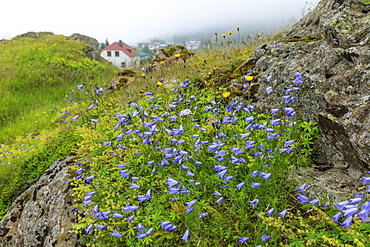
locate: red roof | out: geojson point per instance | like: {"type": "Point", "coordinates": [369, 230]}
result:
{"type": "Point", "coordinates": [128, 50]}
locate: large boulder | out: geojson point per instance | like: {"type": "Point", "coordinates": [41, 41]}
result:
{"type": "Point", "coordinates": [92, 50]}
{"type": "Point", "coordinates": [41, 216]}
{"type": "Point", "coordinates": [331, 48]}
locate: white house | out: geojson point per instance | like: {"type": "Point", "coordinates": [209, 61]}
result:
{"type": "Point", "coordinates": [121, 55]}
{"type": "Point", "coordinates": [192, 44]}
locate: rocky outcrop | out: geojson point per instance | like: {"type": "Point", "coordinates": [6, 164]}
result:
{"type": "Point", "coordinates": [42, 216]}
{"type": "Point", "coordinates": [92, 50]}
{"type": "Point", "coordinates": [34, 35]}
{"type": "Point", "coordinates": [331, 48]}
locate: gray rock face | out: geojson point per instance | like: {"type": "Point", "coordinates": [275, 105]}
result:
{"type": "Point", "coordinates": [331, 48]}
{"type": "Point", "coordinates": [41, 216]}
{"type": "Point", "coordinates": [92, 50]}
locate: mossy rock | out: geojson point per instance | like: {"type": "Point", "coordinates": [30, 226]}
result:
{"type": "Point", "coordinates": [308, 38]}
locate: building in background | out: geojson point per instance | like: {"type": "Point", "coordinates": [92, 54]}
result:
{"type": "Point", "coordinates": [121, 55]}
{"type": "Point", "coordinates": [192, 44]}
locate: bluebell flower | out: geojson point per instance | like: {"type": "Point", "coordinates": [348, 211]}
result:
{"type": "Point", "coordinates": [264, 175]}
{"type": "Point", "coordinates": [249, 119]}
{"type": "Point", "coordinates": [270, 212]}
{"type": "Point", "coordinates": [171, 182]}
{"type": "Point", "coordinates": [89, 228]}
{"type": "Point", "coordinates": [198, 162]}
{"type": "Point", "coordinates": [365, 180]}
{"type": "Point", "coordinates": [269, 90]}
{"type": "Point", "coordinates": [303, 188]}
{"type": "Point", "coordinates": [101, 227]}
{"type": "Point", "coordinates": [249, 145]}
{"type": "Point", "coordinates": [146, 234]}
{"type": "Point", "coordinates": [237, 151]}
{"type": "Point", "coordinates": [228, 178]}
{"type": "Point", "coordinates": [254, 185]}
{"type": "Point", "coordinates": [243, 136]}
{"type": "Point", "coordinates": [336, 217]}
{"type": "Point", "coordinates": [140, 228]}
{"type": "Point", "coordinates": [185, 237]}
{"type": "Point", "coordinates": [117, 215]}
{"type": "Point", "coordinates": [275, 122]}
{"type": "Point", "coordinates": [202, 215]}
{"type": "Point", "coordinates": [130, 219]}
{"type": "Point", "coordinates": [254, 173]}
{"type": "Point", "coordinates": [134, 186]}
{"type": "Point", "coordinates": [116, 234]}
{"type": "Point", "coordinates": [130, 208]}
{"type": "Point", "coordinates": [283, 213]}
{"type": "Point", "coordinates": [189, 210]}
{"type": "Point", "coordinates": [75, 118]}
{"type": "Point", "coordinates": [303, 198]}
{"type": "Point", "coordinates": [265, 237]}
{"type": "Point", "coordinates": [240, 185]}
{"type": "Point", "coordinates": [104, 215]}
{"type": "Point", "coordinates": [189, 174]}
{"type": "Point", "coordinates": [219, 167]}
{"type": "Point", "coordinates": [94, 121]}
{"type": "Point", "coordinates": [219, 201]}
{"type": "Point", "coordinates": [88, 179]}
{"type": "Point", "coordinates": [350, 212]}
{"type": "Point", "coordinates": [243, 239]}
{"type": "Point", "coordinates": [222, 173]}
{"type": "Point", "coordinates": [314, 202]}
{"type": "Point", "coordinates": [347, 223]}
{"type": "Point", "coordinates": [341, 205]}
{"type": "Point", "coordinates": [272, 136]}
{"type": "Point", "coordinates": [254, 202]}
{"type": "Point", "coordinates": [191, 203]}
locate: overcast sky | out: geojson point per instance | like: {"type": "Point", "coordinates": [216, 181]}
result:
{"type": "Point", "coordinates": [137, 20]}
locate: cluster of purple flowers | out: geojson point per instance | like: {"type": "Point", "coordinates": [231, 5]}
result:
{"type": "Point", "coordinates": [229, 158]}
{"type": "Point", "coordinates": [165, 133]}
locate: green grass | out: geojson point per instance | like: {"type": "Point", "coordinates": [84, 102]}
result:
{"type": "Point", "coordinates": [35, 74]}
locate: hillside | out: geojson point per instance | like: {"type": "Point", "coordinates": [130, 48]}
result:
{"type": "Point", "coordinates": [38, 77]}
{"type": "Point", "coordinates": [202, 149]}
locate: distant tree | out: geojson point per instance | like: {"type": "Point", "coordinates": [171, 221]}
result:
{"type": "Point", "coordinates": [160, 41]}
{"type": "Point", "coordinates": [106, 42]}
{"type": "Point", "coordinates": [146, 49]}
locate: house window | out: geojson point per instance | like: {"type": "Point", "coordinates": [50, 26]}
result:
{"type": "Point", "coordinates": [109, 53]}
{"type": "Point", "coordinates": [123, 65]}
{"type": "Point", "coordinates": [117, 53]}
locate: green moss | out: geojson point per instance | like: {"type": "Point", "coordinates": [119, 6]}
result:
{"type": "Point", "coordinates": [305, 39]}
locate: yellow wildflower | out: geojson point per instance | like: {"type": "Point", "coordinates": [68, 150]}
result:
{"type": "Point", "coordinates": [177, 55]}
{"type": "Point", "coordinates": [249, 77]}
{"type": "Point", "coordinates": [143, 75]}
{"type": "Point", "coordinates": [161, 62]}
{"type": "Point", "coordinates": [230, 32]}
{"type": "Point", "coordinates": [159, 83]}
{"type": "Point", "coordinates": [226, 94]}
{"type": "Point", "coordinates": [223, 35]}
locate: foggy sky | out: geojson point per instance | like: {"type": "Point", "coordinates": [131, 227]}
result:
{"type": "Point", "coordinates": [135, 20]}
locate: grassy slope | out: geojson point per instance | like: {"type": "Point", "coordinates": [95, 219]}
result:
{"type": "Point", "coordinates": [36, 75]}
{"type": "Point", "coordinates": [209, 68]}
